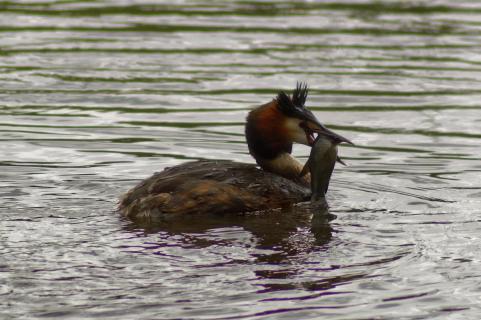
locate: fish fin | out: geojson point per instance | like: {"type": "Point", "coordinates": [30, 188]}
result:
{"type": "Point", "coordinates": [338, 159]}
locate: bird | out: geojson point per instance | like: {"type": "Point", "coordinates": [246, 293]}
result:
{"type": "Point", "coordinates": [223, 186]}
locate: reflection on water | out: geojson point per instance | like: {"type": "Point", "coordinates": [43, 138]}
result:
{"type": "Point", "coordinates": [98, 95]}
{"type": "Point", "coordinates": [313, 219]}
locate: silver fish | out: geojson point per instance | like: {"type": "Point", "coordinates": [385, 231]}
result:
{"type": "Point", "coordinates": [320, 164]}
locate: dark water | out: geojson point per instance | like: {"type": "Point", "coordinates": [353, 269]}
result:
{"type": "Point", "coordinates": [95, 96]}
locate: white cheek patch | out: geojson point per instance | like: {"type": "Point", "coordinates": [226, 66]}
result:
{"type": "Point", "coordinates": [296, 133]}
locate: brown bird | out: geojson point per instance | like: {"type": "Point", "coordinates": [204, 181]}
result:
{"type": "Point", "coordinates": [212, 186]}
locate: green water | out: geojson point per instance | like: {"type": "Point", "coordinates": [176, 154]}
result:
{"type": "Point", "coordinates": [96, 95]}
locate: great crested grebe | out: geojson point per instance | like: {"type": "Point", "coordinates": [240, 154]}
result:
{"type": "Point", "coordinates": [211, 186]}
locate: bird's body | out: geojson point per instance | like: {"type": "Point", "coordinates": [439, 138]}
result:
{"type": "Point", "coordinates": [210, 186]}
{"type": "Point", "coordinates": [217, 187]}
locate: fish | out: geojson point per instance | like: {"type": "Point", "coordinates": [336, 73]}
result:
{"type": "Point", "coordinates": [321, 163]}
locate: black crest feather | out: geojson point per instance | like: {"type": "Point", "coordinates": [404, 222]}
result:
{"type": "Point", "coordinates": [290, 106]}
{"type": "Point", "coordinates": [299, 95]}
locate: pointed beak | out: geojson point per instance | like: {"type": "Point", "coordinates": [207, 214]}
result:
{"type": "Point", "coordinates": [312, 124]}
{"type": "Point", "coordinates": [321, 129]}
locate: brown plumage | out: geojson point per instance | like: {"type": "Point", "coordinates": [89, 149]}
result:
{"type": "Point", "coordinates": [266, 131]}
{"type": "Point", "coordinates": [210, 186]}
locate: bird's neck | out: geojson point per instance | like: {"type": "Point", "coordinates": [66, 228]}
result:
{"type": "Point", "coordinates": [265, 132]}
{"type": "Point", "coordinates": [269, 143]}
{"type": "Point", "coordinates": [284, 165]}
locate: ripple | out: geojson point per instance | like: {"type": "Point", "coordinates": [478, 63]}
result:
{"type": "Point", "coordinates": [98, 95]}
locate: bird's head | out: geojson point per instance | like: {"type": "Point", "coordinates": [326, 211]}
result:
{"type": "Point", "coordinates": [272, 128]}
{"type": "Point", "coordinates": [300, 124]}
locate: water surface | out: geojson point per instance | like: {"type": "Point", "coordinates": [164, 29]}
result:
{"type": "Point", "coordinates": [96, 95]}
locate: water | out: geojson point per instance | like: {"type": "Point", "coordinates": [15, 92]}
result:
{"type": "Point", "coordinates": [98, 95]}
